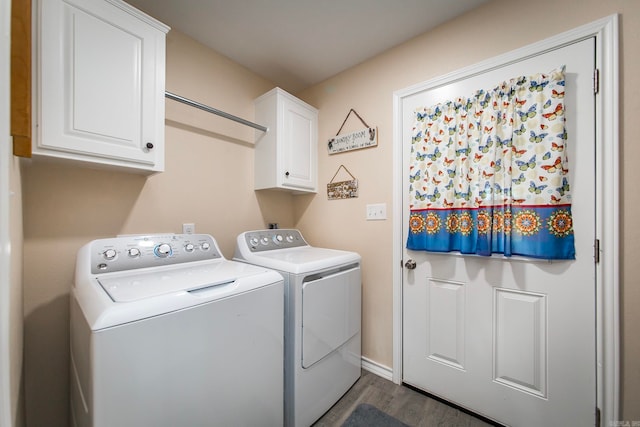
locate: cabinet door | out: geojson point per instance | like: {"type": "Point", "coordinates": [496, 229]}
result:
{"type": "Point", "coordinates": [101, 75]}
{"type": "Point", "coordinates": [299, 145]}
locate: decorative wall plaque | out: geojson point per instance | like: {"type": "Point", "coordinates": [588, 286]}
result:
{"type": "Point", "coordinates": [362, 138]}
{"type": "Point", "coordinates": [353, 141]}
{"type": "Point", "coordinates": [342, 189]}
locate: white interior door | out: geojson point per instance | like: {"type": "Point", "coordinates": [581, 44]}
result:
{"type": "Point", "coordinates": [511, 339]}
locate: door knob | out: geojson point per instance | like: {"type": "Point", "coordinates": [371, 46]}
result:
{"type": "Point", "coordinates": [410, 264]}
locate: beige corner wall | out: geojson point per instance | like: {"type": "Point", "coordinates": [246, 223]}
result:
{"type": "Point", "coordinates": [493, 29]}
{"type": "Point", "coordinates": [208, 181]}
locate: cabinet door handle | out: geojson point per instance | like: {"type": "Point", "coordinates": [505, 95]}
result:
{"type": "Point", "coordinates": [149, 145]}
{"type": "Point", "coordinates": [286, 174]}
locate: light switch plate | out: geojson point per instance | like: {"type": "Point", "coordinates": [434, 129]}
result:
{"type": "Point", "coordinates": [377, 212]}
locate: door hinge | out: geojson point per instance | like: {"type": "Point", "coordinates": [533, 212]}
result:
{"type": "Point", "coordinates": [596, 251]}
{"type": "Point", "coordinates": [596, 81]}
{"type": "Point", "coordinates": [598, 415]}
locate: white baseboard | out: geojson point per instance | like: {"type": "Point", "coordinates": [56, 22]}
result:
{"type": "Point", "coordinates": [377, 368]}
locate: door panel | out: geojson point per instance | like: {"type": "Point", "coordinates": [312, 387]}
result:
{"type": "Point", "coordinates": [520, 350]}
{"type": "Point", "coordinates": [300, 130]}
{"type": "Point", "coordinates": [328, 317]}
{"type": "Point", "coordinates": [446, 319]}
{"type": "Point", "coordinates": [511, 338]}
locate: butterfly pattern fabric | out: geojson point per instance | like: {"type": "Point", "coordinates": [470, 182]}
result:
{"type": "Point", "coordinates": [489, 173]}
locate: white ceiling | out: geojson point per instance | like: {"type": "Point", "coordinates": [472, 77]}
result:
{"type": "Point", "coordinates": [298, 43]}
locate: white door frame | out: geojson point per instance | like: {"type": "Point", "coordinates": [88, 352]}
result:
{"type": "Point", "coordinates": [6, 400]}
{"type": "Point", "coordinates": [605, 32]}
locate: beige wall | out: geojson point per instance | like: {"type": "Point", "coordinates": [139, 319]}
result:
{"type": "Point", "coordinates": [209, 173]}
{"type": "Point", "coordinates": [493, 29]}
{"type": "Point", "coordinates": [208, 181]}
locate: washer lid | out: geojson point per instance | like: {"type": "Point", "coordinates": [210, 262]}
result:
{"type": "Point", "coordinates": [137, 285]}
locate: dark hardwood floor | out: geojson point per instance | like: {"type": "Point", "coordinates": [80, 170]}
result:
{"type": "Point", "coordinates": [409, 406]}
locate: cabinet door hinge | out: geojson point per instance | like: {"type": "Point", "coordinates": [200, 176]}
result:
{"type": "Point", "coordinates": [596, 251]}
{"type": "Point", "coordinates": [596, 81]}
{"type": "Point", "coordinates": [598, 415]}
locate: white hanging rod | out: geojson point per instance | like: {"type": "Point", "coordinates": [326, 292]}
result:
{"type": "Point", "coordinates": [214, 111]}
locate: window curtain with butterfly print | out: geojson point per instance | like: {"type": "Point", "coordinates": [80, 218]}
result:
{"type": "Point", "coordinates": [488, 173]}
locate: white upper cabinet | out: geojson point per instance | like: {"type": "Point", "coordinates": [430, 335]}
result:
{"type": "Point", "coordinates": [99, 84]}
{"type": "Point", "coordinates": [286, 156]}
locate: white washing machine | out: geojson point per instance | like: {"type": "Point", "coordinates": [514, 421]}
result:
{"type": "Point", "coordinates": [167, 332]}
{"type": "Point", "coordinates": [322, 318]}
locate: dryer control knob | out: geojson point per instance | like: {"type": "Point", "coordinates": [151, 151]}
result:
{"type": "Point", "coordinates": [163, 250]}
{"type": "Point", "coordinates": [109, 254]}
{"type": "Point", "coordinates": [189, 247]}
{"type": "Point", "coordinates": [205, 246]}
{"type": "Point", "coordinates": [277, 239]}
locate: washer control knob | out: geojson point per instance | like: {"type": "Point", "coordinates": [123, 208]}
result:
{"type": "Point", "coordinates": [109, 254]}
{"type": "Point", "coordinates": [289, 238]}
{"type": "Point", "coordinates": [254, 241]}
{"type": "Point", "coordinates": [205, 246]}
{"type": "Point", "coordinates": [189, 247]}
{"type": "Point", "coordinates": [277, 239]}
{"type": "Point", "coordinates": [264, 240]}
{"type": "Point", "coordinates": [163, 250]}
{"type": "Point", "coordinates": [134, 252]}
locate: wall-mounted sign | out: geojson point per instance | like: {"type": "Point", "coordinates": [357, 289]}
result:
{"type": "Point", "coordinates": [342, 189]}
{"type": "Point", "coordinates": [353, 141]}
{"type": "Point", "coordinates": [367, 137]}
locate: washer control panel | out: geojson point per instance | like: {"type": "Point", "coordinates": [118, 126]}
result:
{"type": "Point", "coordinates": [266, 240]}
{"type": "Point", "coordinates": [132, 252]}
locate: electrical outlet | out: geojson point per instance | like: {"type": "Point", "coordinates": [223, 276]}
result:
{"type": "Point", "coordinates": [188, 228]}
{"type": "Point", "coordinates": [376, 212]}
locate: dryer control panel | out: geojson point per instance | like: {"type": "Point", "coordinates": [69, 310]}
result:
{"type": "Point", "coordinates": [132, 252]}
{"type": "Point", "coordinates": [265, 240]}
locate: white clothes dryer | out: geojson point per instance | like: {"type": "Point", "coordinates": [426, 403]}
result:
{"type": "Point", "coordinates": [322, 318]}
{"type": "Point", "coordinates": [167, 332]}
